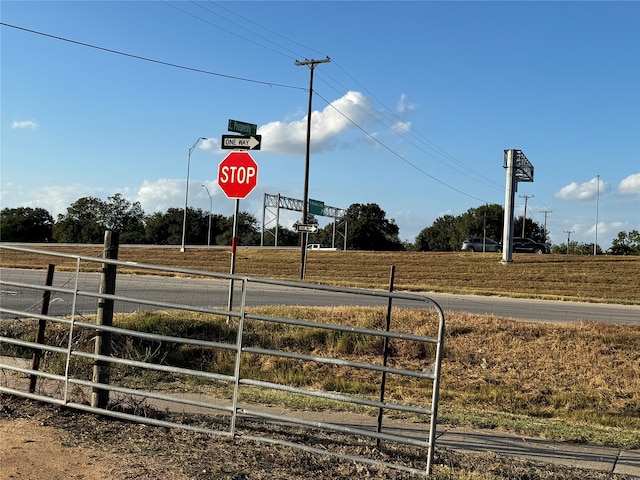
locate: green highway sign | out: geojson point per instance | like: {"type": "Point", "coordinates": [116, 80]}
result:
{"type": "Point", "coordinates": [316, 207]}
{"type": "Point", "coordinates": [242, 127]}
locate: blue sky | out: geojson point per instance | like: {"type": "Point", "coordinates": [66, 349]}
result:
{"type": "Point", "coordinates": [413, 112]}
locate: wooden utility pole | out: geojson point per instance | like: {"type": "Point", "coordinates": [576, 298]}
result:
{"type": "Point", "coordinates": [524, 217]}
{"type": "Point", "coordinates": [545, 212]}
{"type": "Point", "coordinates": [305, 202]}
{"type": "Point", "coordinates": [568, 232]}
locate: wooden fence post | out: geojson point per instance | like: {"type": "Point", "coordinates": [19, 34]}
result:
{"type": "Point", "coordinates": [100, 396]}
{"type": "Point", "coordinates": [44, 310]}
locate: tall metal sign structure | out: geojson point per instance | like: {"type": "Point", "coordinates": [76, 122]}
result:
{"type": "Point", "coordinates": [519, 169]}
{"type": "Point", "coordinates": [316, 207]}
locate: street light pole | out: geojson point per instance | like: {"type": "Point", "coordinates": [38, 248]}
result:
{"type": "Point", "coordinates": [186, 195]}
{"type": "Point", "coordinates": [595, 244]}
{"type": "Point", "coordinates": [210, 208]}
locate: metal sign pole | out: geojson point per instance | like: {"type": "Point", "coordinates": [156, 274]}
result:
{"type": "Point", "coordinates": [509, 199]}
{"type": "Point", "coordinates": [234, 245]}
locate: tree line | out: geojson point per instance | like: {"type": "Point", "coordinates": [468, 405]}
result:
{"type": "Point", "coordinates": [87, 218]}
{"type": "Point", "coordinates": [367, 228]}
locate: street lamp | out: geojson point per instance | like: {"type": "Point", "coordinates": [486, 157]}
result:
{"type": "Point", "coordinates": [210, 208]}
{"type": "Point", "coordinates": [595, 244]}
{"type": "Point", "coordinates": [186, 195]}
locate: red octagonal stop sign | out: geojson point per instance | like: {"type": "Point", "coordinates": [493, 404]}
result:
{"type": "Point", "coordinates": [237, 174]}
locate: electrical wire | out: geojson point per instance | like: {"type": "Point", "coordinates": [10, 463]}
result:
{"type": "Point", "coordinates": [271, 84]}
{"type": "Point", "coordinates": [146, 59]}
{"type": "Point", "coordinates": [464, 169]}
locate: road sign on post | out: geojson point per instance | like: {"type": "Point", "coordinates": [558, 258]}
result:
{"type": "Point", "coordinates": [309, 228]}
{"type": "Point", "coordinates": [241, 142]}
{"type": "Point", "coordinates": [242, 127]}
{"type": "Point", "coordinates": [237, 175]}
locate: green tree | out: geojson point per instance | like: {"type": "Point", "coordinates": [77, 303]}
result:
{"type": "Point", "coordinates": [484, 221]}
{"type": "Point", "coordinates": [124, 217]}
{"type": "Point", "coordinates": [532, 230]}
{"type": "Point", "coordinates": [439, 237]}
{"type": "Point", "coordinates": [248, 232]}
{"type": "Point", "coordinates": [83, 222]}
{"type": "Point", "coordinates": [86, 220]}
{"type": "Point", "coordinates": [166, 228]}
{"type": "Point", "coordinates": [369, 229]}
{"type": "Point", "coordinates": [447, 232]}
{"type": "Point", "coordinates": [626, 243]}
{"type": "Point", "coordinates": [25, 224]}
{"type": "Point", "coordinates": [286, 237]}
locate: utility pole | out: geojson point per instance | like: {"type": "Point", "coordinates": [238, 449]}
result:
{"type": "Point", "coordinates": [305, 202]}
{"type": "Point", "coordinates": [545, 212]}
{"type": "Point", "coordinates": [524, 217]}
{"type": "Point", "coordinates": [568, 232]}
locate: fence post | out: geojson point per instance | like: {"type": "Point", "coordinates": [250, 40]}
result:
{"type": "Point", "coordinates": [385, 350]}
{"type": "Point", "coordinates": [99, 396]}
{"type": "Point", "coordinates": [44, 310]}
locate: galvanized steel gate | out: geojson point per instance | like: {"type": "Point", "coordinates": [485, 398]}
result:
{"type": "Point", "coordinates": [67, 378]}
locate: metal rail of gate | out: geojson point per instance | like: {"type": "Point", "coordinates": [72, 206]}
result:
{"type": "Point", "coordinates": [68, 383]}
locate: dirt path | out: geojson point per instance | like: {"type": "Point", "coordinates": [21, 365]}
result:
{"type": "Point", "coordinates": [29, 451]}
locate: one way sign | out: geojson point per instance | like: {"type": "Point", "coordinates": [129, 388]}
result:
{"type": "Point", "coordinates": [241, 142]}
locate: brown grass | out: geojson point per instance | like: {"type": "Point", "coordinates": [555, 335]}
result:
{"type": "Point", "coordinates": [609, 279]}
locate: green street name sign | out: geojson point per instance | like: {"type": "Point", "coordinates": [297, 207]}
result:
{"type": "Point", "coordinates": [316, 207]}
{"type": "Point", "coordinates": [242, 127]}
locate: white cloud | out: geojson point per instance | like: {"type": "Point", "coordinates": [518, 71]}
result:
{"type": "Point", "coordinates": [161, 194]}
{"type": "Point", "coordinates": [404, 106]}
{"type": "Point", "coordinates": [630, 185]}
{"type": "Point", "coordinates": [583, 191]}
{"type": "Point", "coordinates": [24, 124]}
{"type": "Point", "coordinates": [402, 127]}
{"type": "Point", "coordinates": [326, 126]}
{"type": "Point", "coordinates": [212, 145]}
{"type": "Point", "coordinates": [54, 199]}
{"type": "Point", "coordinates": [164, 193]}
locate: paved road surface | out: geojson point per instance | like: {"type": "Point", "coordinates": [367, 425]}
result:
{"type": "Point", "coordinates": [214, 292]}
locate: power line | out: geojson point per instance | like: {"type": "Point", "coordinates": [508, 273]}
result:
{"type": "Point", "coordinates": [272, 84]}
{"type": "Point", "coordinates": [475, 175]}
{"type": "Point", "coordinates": [146, 59]}
{"type": "Point", "coordinates": [372, 137]}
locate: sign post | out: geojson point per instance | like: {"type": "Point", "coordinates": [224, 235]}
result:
{"type": "Point", "coordinates": [237, 177]}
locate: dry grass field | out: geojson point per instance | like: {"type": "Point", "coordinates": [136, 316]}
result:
{"type": "Point", "coordinates": [569, 382]}
{"type": "Point", "coordinates": [604, 278]}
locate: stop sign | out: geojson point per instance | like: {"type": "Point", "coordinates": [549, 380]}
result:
{"type": "Point", "coordinates": [237, 174]}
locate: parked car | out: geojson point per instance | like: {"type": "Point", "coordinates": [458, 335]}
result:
{"type": "Point", "coordinates": [526, 245]}
{"type": "Point", "coordinates": [481, 245]}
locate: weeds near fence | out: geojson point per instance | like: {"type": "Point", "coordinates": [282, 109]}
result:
{"type": "Point", "coordinates": [578, 382]}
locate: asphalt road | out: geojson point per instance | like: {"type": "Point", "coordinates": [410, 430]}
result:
{"type": "Point", "coordinates": [215, 292]}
